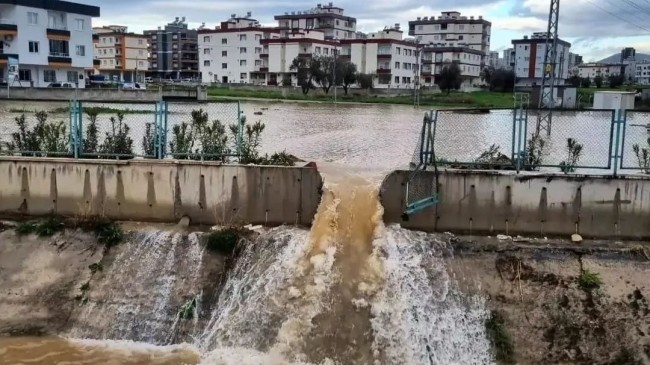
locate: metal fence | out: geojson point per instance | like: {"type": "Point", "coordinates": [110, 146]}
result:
{"type": "Point", "coordinates": [594, 141]}
{"type": "Point", "coordinates": [208, 131]}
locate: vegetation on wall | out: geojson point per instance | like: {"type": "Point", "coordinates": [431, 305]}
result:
{"type": "Point", "coordinates": [117, 140]}
{"type": "Point", "coordinates": [574, 152]}
{"type": "Point", "coordinates": [643, 156]}
{"type": "Point", "coordinates": [45, 138]}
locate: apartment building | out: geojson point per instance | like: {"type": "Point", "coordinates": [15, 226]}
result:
{"type": "Point", "coordinates": [575, 60]}
{"type": "Point", "coordinates": [451, 29]}
{"type": "Point", "coordinates": [509, 58]}
{"type": "Point", "coordinates": [282, 51]}
{"type": "Point", "coordinates": [174, 51]}
{"type": "Point", "coordinates": [591, 70]}
{"type": "Point", "coordinates": [435, 58]}
{"type": "Point", "coordinates": [49, 41]}
{"type": "Point", "coordinates": [529, 60]}
{"type": "Point", "coordinates": [385, 54]}
{"type": "Point", "coordinates": [329, 19]}
{"type": "Point", "coordinates": [642, 73]}
{"type": "Point", "coordinates": [122, 56]}
{"type": "Point", "coordinates": [234, 53]}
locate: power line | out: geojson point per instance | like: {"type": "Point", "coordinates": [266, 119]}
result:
{"type": "Point", "coordinates": [636, 6]}
{"type": "Point", "coordinates": [634, 11]}
{"type": "Point", "coordinates": [618, 17]}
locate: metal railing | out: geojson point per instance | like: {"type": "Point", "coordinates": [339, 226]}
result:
{"type": "Point", "coordinates": [594, 141]}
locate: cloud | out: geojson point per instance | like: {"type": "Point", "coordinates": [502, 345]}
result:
{"type": "Point", "coordinates": [593, 26]}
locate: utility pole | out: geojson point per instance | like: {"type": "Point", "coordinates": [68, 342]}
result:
{"type": "Point", "coordinates": [416, 91]}
{"type": "Point", "coordinates": [547, 89]}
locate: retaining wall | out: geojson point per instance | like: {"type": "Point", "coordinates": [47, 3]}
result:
{"type": "Point", "coordinates": [62, 94]}
{"type": "Point", "coordinates": [486, 202]}
{"type": "Point", "coordinates": [159, 191]}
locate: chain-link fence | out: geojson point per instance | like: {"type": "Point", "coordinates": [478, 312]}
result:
{"type": "Point", "coordinates": [635, 145]}
{"type": "Point", "coordinates": [208, 131]}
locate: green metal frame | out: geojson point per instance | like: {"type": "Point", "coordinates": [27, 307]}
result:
{"type": "Point", "coordinates": [427, 156]}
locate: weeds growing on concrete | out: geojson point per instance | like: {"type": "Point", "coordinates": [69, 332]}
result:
{"type": "Point", "coordinates": [574, 152]}
{"type": "Point", "coordinates": [589, 280]}
{"type": "Point", "coordinates": [643, 157]}
{"type": "Point", "coordinates": [108, 232]}
{"type": "Point", "coordinates": [500, 340]}
{"type": "Point", "coordinates": [26, 228]}
{"type": "Point", "coordinates": [189, 309]}
{"type": "Point", "coordinates": [50, 226]}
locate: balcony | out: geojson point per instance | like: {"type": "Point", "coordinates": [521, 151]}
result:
{"type": "Point", "coordinates": [304, 55]}
{"type": "Point", "coordinates": [384, 71]}
{"type": "Point", "coordinates": [384, 55]}
{"type": "Point", "coordinates": [59, 34]}
{"type": "Point", "coordinates": [57, 58]}
{"type": "Point", "coordinates": [8, 27]}
{"type": "Point", "coordinates": [264, 55]}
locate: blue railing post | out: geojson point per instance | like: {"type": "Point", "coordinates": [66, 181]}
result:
{"type": "Point", "coordinates": [619, 120]}
{"type": "Point", "coordinates": [160, 129]}
{"type": "Point", "coordinates": [76, 128]}
{"type": "Point", "coordinates": [519, 133]}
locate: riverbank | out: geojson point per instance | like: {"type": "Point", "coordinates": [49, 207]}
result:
{"type": "Point", "coordinates": [478, 99]}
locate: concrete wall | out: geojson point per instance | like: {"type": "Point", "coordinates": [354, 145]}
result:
{"type": "Point", "coordinates": [482, 202]}
{"type": "Point", "coordinates": [159, 191]}
{"type": "Point", "coordinates": [50, 94]}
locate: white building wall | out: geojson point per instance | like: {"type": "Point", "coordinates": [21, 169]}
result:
{"type": "Point", "coordinates": [523, 52]}
{"type": "Point", "coordinates": [642, 73]}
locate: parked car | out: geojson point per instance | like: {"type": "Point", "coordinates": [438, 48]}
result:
{"type": "Point", "coordinates": [65, 85]}
{"type": "Point", "coordinates": [133, 86]}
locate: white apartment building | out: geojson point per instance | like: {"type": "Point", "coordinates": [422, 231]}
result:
{"type": "Point", "coordinates": [529, 60]}
{"type": "Point", "coordinates": [434, 60]}
{"type": "Point", "coordinates": [591, 70]}
{"type": "Point", "coordinates": [386, 55]}
{"type": "Point", "coordinates": [234, 53]}
{"type": "Point", "coordinates": [282, 52]}
{"type": "Point", "coordinates": [493, 59]}
{"type": "Point", "coordinates": [52, 41]}
{"type": "Point", "coordinates": [642, 73]}
{"type": "Point", "coordinates": [451, 29]}
{"type": "Point", "coordinates": [121, 56]}
{"type": "Point", "coordinates": [509, 55]}
{"type": "Point", "coordinates": [329, 19]}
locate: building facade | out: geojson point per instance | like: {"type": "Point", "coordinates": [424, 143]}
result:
{"type": "Point", "coordinates": [509, 55]}
{"type": "Point", "coordinates": [50, 41]}
{"type": "Point", "coordinates": [174, 51]}
{"type": "Point", "coordinates": [493, 59]}
{"type": "Point", "coordinates": [529, 60]}
{"type": "Point", "coordinates": [592, 70]}
{"type": "Point", "coordinates": [234, 53]}
{"type": "Point", "coordinates": [451, 29]}
{"type": "Point", "coordinates": [642, 73]}
{"type": "Point", "coordinates": [434, 59]}
{"type": "Point", "coordinates": [122, 56]}
{"type": "Point", "coordinates": [575, 60]}
{"type": "Point", "coordinates": [329, 19]}
{"type": "Point", "coordinates": [392, 60]}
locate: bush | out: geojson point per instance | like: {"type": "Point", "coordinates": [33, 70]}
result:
{"type": "Point", "coordinates": [589, 280]}
{"type": "Point", "coordinates": [50, 226]}
{"type": "Point", "coordinates": [26, 228]}
{"type": "Point", "coordinates": [225, 241]}
{"type": "Point", "coordinates": [504, 350]}
{"type": "Point", "coordinates": [148, 141]}
{"type": "Point", "coordinates": [118, 142]}
{"type": "Point", "coordinates": [91, 141]}
{"type": "Point", "coordinates": [107, 232]}
{"type": "Point", "coordinates": [44, 137]}
{"type": "Point", "coordinates": [574, 152]}
{"type": "Point", "coordinates": [643, 157]}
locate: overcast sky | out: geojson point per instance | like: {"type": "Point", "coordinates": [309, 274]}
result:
{"type": "Point", "coordinates": [593, 31]}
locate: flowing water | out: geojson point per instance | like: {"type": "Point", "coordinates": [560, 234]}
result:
{"type": "Point", "coordinates": [347, 291]}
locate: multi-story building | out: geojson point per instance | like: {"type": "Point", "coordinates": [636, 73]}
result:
{"type": "Point", "coordinates": [174, 51]}
{"type": "Point", "coordinates": [329, 19]}
{"type": "Point", "coordinates": [591, 70]}
{"type": "Point", "coordinates": [282, 51]}
{"type": "Point", "coordinates": [385, 54]}
{"type": "Point", "coordinates": [234, 52]}
{"type": "Point", "coordinates": [529, 60]}
{"type": "Point", "coordinates": [642, 73]}
{"type": "Point", "coordinates": [435, 58]}
{"type": "Point", "coordinates": [493, 59]}
{"type": "Point", "coordinates": [575, 60]}
{"type": "Point", "coordinates": [122, 56]}
{"type": "Point", "coordinates": [509, 58]}
{"type": "Point", "coordinates": [628, 53]}
{"type": "Point", "coordinates": [50, 41]}
{"type": "Point", "coordinates": [453, 30]}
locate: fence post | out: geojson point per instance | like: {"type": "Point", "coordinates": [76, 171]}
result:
{"type": "Point", "coordinates": [160, 126]}
{"type": "Point", "coordinates": [76, 128]}
{"type": "Point", "coordinates": [240, 132]}
{"type": "Point", "coordinates": [619, 118]}
{"type": "Point", "coordinates": [519, 133]}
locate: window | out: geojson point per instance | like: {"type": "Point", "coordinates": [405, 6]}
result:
{"type": "Point", "coordinates": [206, 50]}
{"type": "Point", "coordinates": [461, 26]}
{"type": "Point", "coordinates": [140, 42]}
{"type": "Point", "coordinates": [317, 50]}
{"type": "Point", "coordinates": [81, 51]}
{"type": "Point", "coordinates": [224, 40]}
{"type": "Point", "coordinates": [326, 50]}
{"type": "Point", "coordinates": [49, 75]}
{"type": "Point", "coordinates": [436, 27]}
{"type": "Point", "coordinates": [337, 22]}
{"type": "Point", "coordinates": [104, 51]}
{"type": "Point", "coordinates": [80, 23]}
{"type": "Point", "coordinates": [140, 63]}
{"type": "Point", "coordinates": [59, 48]}
{"type": "Point", "coordinates": [309, 23]}
{"type": "Point", "coordinates": [242, 49]}
{"type": "Point", "coordinates": [258, 37]}
{"type": "Point", "coordinates": [397, 79]}
{"type": "Point", "coordinates": [398, 50]}
{"type": "Point", "coordinates": [420, 27]}
{"type": "Point", "coordinates": [242, 75]}
{"type": "Point", "coordinates": [397, 65]}
{"type": "Point", "coordinates": [460, 37]}
{"type": "Point", "coordinates": [104, 40]}
{"type": "Point", "coordinates": [224, 53]}
{"type": "Point", "coordinates": [258, 62]}
{"type": "Point", "coordinates": [141, 52]}
{"type": "Point", "coordinates": [206, 38]}
{"type": "Point", "coordinates": [206, 63]}
{"type": "Point", "coordinates": [72, 76]}
{"type": "Point", "coordinates": [224, 66]}
{"type": "Point", "coordinates": [258, 50]}
{"type": "Point", "coordinates": [32, 18]}
{"type": "Point", "coordinates": [242, 62]}
{"type": "Point", "coordinates": [25, 75]}
{"type": "Point", "coordinates": [242, 37]}
{"type": "Point", "coordinates": [33, 47]}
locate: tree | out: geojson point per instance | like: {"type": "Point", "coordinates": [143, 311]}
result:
{"type": "Point", "coordinates": [365, 81]}
{"type": "Point", "coordinates": [585, 82]}
{"type": "Point", "coordinates": [502, 80]}
{"type": "Point", "coordinates": [486, 75]}
{"type": "Point", "coordinates": [323, 71]}
{"type": "Point", "coordinates": [616, 80]}
{"type": "Point", "coordinates": [346, 74]}
{"type": "Point", "coordinates": [303, 68]}
{"type": "Point", "coordinates": [574, 81]}
{"type": "Point", "coordinates": [450, 77]}
{"type": "Point", "coordinates": [598, 81]}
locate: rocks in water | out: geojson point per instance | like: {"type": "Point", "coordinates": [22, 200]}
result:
{"type": "Point", "coordinates": [576, 238]}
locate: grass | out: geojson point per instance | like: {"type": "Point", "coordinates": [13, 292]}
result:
{"type": "Point", "coordinates": [478, 99]}
{"type": "Point", "coordinates": [225, 241]}
{"type": "Point", "coordinates": [26, 228]}
{"type": "Point", "coordinates": [46, 228]}
{"type": "Point", "coordinates": [589, 280]}
{"type": "Point", "coordinates": [108, 232]}
{"type": "Point", "coordinates": [504, 349]}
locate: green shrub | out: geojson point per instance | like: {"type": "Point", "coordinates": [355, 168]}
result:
{"type": "Point", "coordinates": [188, 310]}
{"type": "Point", "coordinates": [91, 142]}
{"type": "Point", "coordinates": [504, 350]}
{"type": "Point", "coordinates": [26, 228]}
{"type": "Point", "coordinates": [49, 227]}
{"type": "Point", "coordinates": [148, 141]}
{"type": "Point", "coordinates": [225, 241]}
{"type": "Point", "coordinates": [108, 232]}
{"type": "Point", "coordinates": [589, 280]}
{"type": "Point", "coordinates": [118, 140]}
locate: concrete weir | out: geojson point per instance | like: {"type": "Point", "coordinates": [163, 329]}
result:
{"type": "Point", "coordinates": [159, 191]}
{"type": "Point", "coordinates": [491, 202]}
